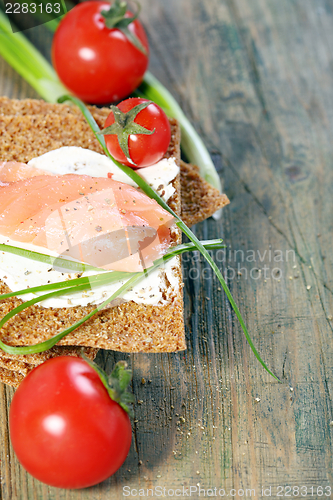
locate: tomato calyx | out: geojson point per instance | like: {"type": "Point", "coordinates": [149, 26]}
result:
{"type": "Point", "coordinates": [114, 17]}
{"type": "Point", "coordinates": [124, 126]}
{"type": "Point", "coordinates": [116, 383]}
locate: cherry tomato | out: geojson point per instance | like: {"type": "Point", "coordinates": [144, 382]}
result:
{"type": "Point", "coordinates": [144, 150]}
{"type": "Point", "coordinates": [65, 429]}
{"type": "Point", "coordinates": [98, 64]}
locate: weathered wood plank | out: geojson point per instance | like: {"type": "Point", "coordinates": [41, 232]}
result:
{"type": "Point", "coordinates": [256, 79]}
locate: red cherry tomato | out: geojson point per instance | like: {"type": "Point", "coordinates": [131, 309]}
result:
{"type": "Point", "coordinates": [65, 429]}
{"type": "Point", "coordinates": [144, 150]}
{"type": "Point", "coordinates": [98, 64]}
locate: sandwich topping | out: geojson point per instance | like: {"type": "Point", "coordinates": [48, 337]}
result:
{"type": "Point", "coordinates": [88, 214]}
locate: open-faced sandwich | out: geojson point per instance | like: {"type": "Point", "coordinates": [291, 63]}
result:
{"type": "Point", "coordinates": [63, 178]}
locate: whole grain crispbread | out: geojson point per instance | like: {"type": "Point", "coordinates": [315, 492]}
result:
{"type": "Point", "coordinates": [39, 358]}
{"type": "Point", "coordinates": [23, 367]}
{"type": "Point", "coordinates": [127, 327]}
{"type": "Point", "coordinates": [13, 367]}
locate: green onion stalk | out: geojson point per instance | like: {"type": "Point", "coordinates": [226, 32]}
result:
{"type": "Point", "coordinates": [23, 56]}
{"type": "Point", "coordinates": [33, 67]}
{"type": "Point", "coordinates": [16, 49]}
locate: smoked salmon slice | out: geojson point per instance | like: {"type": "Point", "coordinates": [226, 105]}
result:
{"type": "Point", "coordinates": [12, 171]}
{"type": "Point", "coordinates": [97, 220]}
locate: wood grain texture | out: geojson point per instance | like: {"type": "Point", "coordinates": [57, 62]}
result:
{"type": "Point", "coordinates": [256, 80]}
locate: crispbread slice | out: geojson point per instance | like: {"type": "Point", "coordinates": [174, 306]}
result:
{"type": "Point", "coordinates": [39, 358]}
{"type": "Point", "coordinates": [127, 327]}
{"type": "Point", "coordinates": [13, 368]}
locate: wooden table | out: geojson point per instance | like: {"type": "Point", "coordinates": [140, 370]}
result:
{"type": "Point", "coordinates": [256, 79]}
